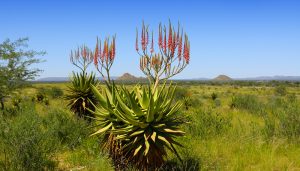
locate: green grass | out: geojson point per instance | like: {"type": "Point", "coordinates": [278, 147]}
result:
{"type": "Point", "coordinates": [260, 133]}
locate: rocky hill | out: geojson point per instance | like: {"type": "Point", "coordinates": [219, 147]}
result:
{"type": "Point", "coordinates": [129, 77]}
{"type": "Point", "coordinates": [222, 78]}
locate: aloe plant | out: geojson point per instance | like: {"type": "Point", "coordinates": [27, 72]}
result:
{"type": "Point", "coordinates": [143, 123]}
{"type": "Point", "coordinates": [80, 95]}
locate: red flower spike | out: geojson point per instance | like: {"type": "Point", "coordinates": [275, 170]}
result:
{"type": "Point", "coordinates": [152, 44]}
{"type": "Point", "coordinates": [142, 40]}
{"type": "Point", "coordinates": [77, 53]}
{"type": "Point", "coordinates": [160, 44]}
{"type": "Point", "coordinates": [170, 37]}
{"type": "Point", "coordinates": [186, 54]}
{"type": "Point", "coordinates": [179, 47]}
{"type": "Point", "coordinates": [136, 41]}
{"type": "Point", "coordinates": [96, 53]}
{"type": "Point", "coordinates": [84, 52]}
{"type": "Point", "coordinates": [114, 48]}
{"type": "Point", "coordinates": [177, 38]}
{"type": "Point", "coordinates": [165, 42]}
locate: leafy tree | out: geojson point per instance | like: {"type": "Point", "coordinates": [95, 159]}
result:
{"type": "Point", "coordinates": [15, 66]}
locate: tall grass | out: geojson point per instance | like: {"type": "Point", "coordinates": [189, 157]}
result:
{"type": "Point", "coordinates": [206, 123]}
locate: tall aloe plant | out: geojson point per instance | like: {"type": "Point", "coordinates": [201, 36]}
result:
{"type": "Point", "coordinates": [142, 124]}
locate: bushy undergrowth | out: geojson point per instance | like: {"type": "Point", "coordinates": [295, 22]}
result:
{"type": "Point", "coordinates": [69, 130]}
{"type": "Point", "coordinates": [25, 143]}
{"type": "Point", "coordinates": [29, 140]}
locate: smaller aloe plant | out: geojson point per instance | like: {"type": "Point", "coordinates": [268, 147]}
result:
{"type": "Point", "coordinates": [80, 94]}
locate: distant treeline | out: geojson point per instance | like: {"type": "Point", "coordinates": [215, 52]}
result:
{"type": "Point", "coordinates": [204, 82]}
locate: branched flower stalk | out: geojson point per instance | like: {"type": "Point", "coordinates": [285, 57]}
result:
{"type": "Point", "coordinates": [104, 57]}
{"type": "Point", "coordinates": [170, 58]}
{"type": "Point", "coordinates": [82, 57]}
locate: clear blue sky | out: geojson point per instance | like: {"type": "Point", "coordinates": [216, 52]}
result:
{"type": "Point", "coordinates": [240, 38]}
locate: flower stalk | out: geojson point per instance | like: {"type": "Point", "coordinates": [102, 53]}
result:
{"type": "Point", "coordinates": [170, 58]}
{"type": "Point", "coordinates": [104, 59]}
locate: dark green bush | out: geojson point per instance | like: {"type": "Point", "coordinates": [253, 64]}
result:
{"type": "Point", "coordinates": [214, 96]}
{"type": "Point", "coordinates": [41, 94]}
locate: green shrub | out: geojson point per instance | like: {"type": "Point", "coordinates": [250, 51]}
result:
{"type": "Point", "coordinates": [281, 90]}
{"type": "Point", "coordinates": [16, 101]}
{"type": "Point", "coordinates": [26, 143]}
{"type": "Point", "coordinates": [247, 102]}
{"type": "Point", "coordinates": [41, 94]}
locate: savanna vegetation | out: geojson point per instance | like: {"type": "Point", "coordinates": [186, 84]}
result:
{"type": "Point", "coordinates": [244, 128]}
{"type": "Point", "coordinates": [87, 124]}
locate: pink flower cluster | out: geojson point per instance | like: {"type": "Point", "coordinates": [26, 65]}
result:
{"type": "Point", "coordinates": [107, 55]}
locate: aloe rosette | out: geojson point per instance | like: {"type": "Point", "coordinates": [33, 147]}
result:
{"type": "Point", "coordinates": [143, 122]}
{"type": "Point", "coordinates": [80, 95]}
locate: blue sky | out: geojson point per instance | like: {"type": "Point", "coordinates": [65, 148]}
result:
{"type": "Point", "coordinates": [239, 38]}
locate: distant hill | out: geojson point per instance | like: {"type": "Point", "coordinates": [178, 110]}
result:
{"type": "Point", "coordinates": [222, 78]}
{"type": "Point", "coordinates": [129, 77]}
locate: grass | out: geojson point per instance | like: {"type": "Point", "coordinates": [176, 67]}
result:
{"type": "Point", "coordinates": [261, 132]}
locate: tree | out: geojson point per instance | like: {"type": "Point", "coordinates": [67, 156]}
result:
{"type": "Point", "coordinates": [16, 66]}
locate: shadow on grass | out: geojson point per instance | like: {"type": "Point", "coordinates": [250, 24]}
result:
{"type": "Point", "coordinates": [188, 164]}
